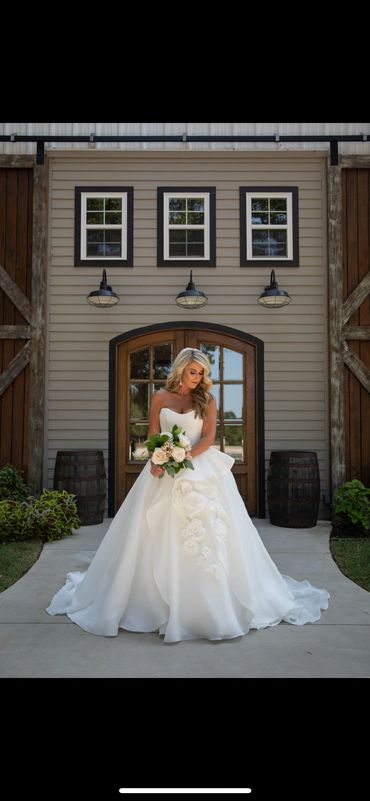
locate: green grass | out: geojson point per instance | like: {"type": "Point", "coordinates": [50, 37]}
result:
{"type": "Point", "coordinates": [352, 556]}
{"type": "Point", "coordinates": [16, 558]}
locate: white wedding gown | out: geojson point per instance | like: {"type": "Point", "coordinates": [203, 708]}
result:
{"type": "Point", "coordinates": [182, 557]}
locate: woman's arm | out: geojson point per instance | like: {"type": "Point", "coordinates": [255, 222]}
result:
{"type": "Point", "coordinates": [155, 408]}
{"type": "Point", "coordinates": [155, 426]}
{"type": "Point", "coordinates": [208, 431]}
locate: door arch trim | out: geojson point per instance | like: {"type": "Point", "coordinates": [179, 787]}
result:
{"type": "Point", "coordinates": [189, 324]}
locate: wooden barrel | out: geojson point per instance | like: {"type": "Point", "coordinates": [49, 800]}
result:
{"type": "Point", "coordinates": [83, 473]}
{"type": "Point", "coordinates": [293, 488]}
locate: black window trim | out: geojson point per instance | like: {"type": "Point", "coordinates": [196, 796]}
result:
{"type": "Point", "coordinates": [244, 262]}
{"type": "Point", "coordinates": [161, 261]}
{"type": "Point", "coordinates": [129, 261]}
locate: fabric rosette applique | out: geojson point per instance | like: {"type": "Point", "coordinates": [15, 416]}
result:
{"type": "Point", "coordinates": [170, 449]}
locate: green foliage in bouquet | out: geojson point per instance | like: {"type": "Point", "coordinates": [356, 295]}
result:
{"type": "Point", "coordinates": [157, 440]}
{"type": "Point", "coordinates": [164, 447]}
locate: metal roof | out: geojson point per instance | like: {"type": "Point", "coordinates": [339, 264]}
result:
{"type": "Point", "coordinates": [184, 130]}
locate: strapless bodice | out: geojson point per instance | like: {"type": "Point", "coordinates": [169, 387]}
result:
{"type": "Point", "coordinates": [208, 464]}
{"type": "Point", "coordinates": [191, 425]}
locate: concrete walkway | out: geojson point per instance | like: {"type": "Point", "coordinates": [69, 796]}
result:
{"type": "Point", "coordinates": [33, 644]}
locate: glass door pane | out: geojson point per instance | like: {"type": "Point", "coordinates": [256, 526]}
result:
{"type": "Point", "coordinates": [233, 365]}
{"type": "Point", "coordinates": [149, 368]}
{"type": "Point", "coordinates": [228, 374]}
{"type": "Point", "coordinates": [214, 354]}
{"type": "Point", "coordinates": [162, 357]}
{"type": "Point", "coordinates": [233, 401]}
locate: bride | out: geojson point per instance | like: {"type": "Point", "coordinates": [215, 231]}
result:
{"type": "Point", "coordinates": [182, 556]}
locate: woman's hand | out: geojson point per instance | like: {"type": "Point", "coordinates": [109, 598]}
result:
{"type": "Point", "coordinates": [156, 470]}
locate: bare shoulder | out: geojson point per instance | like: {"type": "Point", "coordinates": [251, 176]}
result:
{"type": "Point", "coordinates": [212, 405]}
{"type": "Point", "coordinates": [159, 397]}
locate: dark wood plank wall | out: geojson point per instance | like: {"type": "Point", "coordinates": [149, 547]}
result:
{"type": "Point", "coordinates": [356, 260]}
{"type": "Point", "coordinates": [16, 258]}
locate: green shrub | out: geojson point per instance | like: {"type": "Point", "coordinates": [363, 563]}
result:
{"type": "Point", "coordinates": [54, 515]}
{"type": "Point", "coordinates": [50, 517]}
{"type": "Point", "coordinates": [12, 485]}
{"type": "Point", "coordinates": [15, 521]}
{"type": "Point", "coordinates": [352, 506]}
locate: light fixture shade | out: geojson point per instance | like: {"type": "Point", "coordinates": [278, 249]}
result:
{"type": "Point", "coordinates": [104, 296]}
{"type": "Point", "coordinates": [273, 297]}
{"type": "Point", "coordinates": [191, 298]}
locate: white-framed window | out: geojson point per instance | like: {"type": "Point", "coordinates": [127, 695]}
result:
{"type": "Point", "coordinates": [269, 225]}
{"type": "Point", "coordinates": [103, 225]}
{"type": "Point", "coordinates": [186, 226]}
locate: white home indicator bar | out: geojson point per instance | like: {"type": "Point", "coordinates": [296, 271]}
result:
{"type": "Point", "coordinates": [167, 790]}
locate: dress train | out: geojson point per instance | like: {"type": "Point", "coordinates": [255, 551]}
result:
{"type": "Point", "coordinates": [182, 557]}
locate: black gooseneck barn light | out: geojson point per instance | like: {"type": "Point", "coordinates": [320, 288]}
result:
{"type": "Point", "coordinates": [104, 296]}
{"type": "Point", "coordinates": [273, 297]}
{"type": "Point", "coordinates": [191, 298]}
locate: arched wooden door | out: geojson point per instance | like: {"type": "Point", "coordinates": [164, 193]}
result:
{"type": "Point", "coordinates": [139, 366]}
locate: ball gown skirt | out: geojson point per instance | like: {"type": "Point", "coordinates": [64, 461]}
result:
{"type": "Point", "coordinates": [182, 557]}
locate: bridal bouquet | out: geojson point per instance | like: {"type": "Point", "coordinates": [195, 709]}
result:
{"type": "Point", "coordinates": [170, 450]}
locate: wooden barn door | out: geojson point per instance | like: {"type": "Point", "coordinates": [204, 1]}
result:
{"type": "Point", "coordinates": [16, 187]}
{"type": "Point", "coordinates": [356, 322]}
{"type": "Point", "coordinates": [142, 367]}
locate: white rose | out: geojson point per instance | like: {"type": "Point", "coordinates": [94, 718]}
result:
{"type": "Point", "coordinates": [184, 441]}
{"type": "Point", "coordinates": [194, 503]}
{"type": "Point", "coordinates": [178, 454]}
{"type": "Point", "coordinates": [215, 506]}
{"type": "Point", "coordinates": [177, 501]}
{"type": "Point", "coordinates": [191, 546]}
{"type": "Point", "coordinates": [214, 571]}
{"type": "Point", "coordinates": [204, 557]}
{"type": "Point", "coordinates": [220, 528]}
{"type": "Point", "coordinates": [167, 433]}
{"type": "Point", "coordinates": [194, 529]}
{"type": "Point", "coordinates": [159, 456]}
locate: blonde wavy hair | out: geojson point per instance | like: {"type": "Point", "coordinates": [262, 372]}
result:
{"type": "Point", "coordinates": [200, 395]}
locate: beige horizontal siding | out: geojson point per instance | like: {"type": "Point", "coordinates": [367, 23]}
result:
{"type": "Point", "coordinates": [295, 337]}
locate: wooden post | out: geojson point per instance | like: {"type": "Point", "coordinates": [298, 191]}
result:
{"type": "Point", "coordinates": [337, 430]}
{"type": "Point", "coordinates": [37, 359]}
